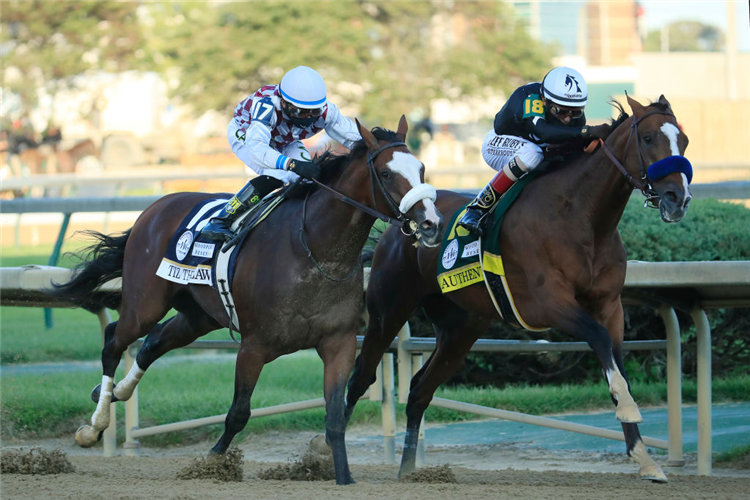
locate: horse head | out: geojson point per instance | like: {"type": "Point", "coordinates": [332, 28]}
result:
{"type": "Point", "coordinates": [399, 175]}
{"type": "Point", "coordinates": [658, 159]}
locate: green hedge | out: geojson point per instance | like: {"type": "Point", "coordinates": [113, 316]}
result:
{"type": "Point", "coordinates": [711, 230]}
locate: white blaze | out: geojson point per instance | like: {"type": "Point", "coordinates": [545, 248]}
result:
{"type": "Point", "coordinates": [672, 132]}
{"type": "Point", "coordinates": [409, 167]}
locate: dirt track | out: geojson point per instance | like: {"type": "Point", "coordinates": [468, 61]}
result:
{"type": "Point", "coordinates": [481, 472]}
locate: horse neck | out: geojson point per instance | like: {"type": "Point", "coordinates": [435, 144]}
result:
{"type": "Point", "coordinates": [606, 188]}
{"type": "Point", "coordinates": [336, 230]}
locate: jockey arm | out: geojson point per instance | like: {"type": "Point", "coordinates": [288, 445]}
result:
{"type": "Point", "coordinates": [340, 128]}
{"type": "Point", "coordinates": [258, 140]}
{"type": "Point", "coordinates": [552, 133]}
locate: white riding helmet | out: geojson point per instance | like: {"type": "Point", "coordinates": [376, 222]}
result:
{"type": "Point", "coordinates": [304, 88]}
{"type": "Point", "coordinates": [566, 87]}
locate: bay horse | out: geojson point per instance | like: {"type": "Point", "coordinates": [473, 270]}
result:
{"type": "Point", "coordinates": [564, 263]}
{"type": "Point", "coordinates": [298, 281]}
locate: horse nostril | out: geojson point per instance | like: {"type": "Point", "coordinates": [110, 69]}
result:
{"type": "Point", "coordinates": [427, 227]}
{"type": "Point", "coordinates": [671, 197]}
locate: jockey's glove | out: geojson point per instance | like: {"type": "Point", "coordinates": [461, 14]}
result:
{"type": "Point", "coordinates": [306, 169]}
{"type": "Point", "coordinates": [596, 132]}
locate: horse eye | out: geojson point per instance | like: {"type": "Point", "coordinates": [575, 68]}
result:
{"type": "Point", "coordinates": [647, 139]}
{"type": "Point", "coordinates": [386, 174]}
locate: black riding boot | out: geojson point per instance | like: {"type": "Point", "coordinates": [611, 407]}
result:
{"type": "Point", "coordinates": [478, 210]}
{"type": "Point", "coordinates": [219, 227]}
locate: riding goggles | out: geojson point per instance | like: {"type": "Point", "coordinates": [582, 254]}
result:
{"type": "Point", "coordinates": [561, 112]}
{"type": "Point", "coordinates": [293, 111]}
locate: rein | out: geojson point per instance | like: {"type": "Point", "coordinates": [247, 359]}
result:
{"type": "Point", "coordinates": [643, 184]}
{"type": "Point", "coordinates": [400, 221]}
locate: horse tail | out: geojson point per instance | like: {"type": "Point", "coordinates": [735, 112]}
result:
{"type": "Point", "coordinates": [104, 263]}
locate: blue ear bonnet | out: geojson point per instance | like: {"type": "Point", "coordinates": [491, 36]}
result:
{"type": "Point", "coordinates": [666, 166]}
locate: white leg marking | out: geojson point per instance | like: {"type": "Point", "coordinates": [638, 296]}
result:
{"type": "Point", "coordinates": [648, 468]}
{"type": "Point", "coordinates": [627, 410]}
{"type": "Point", "coordinates": [125, 388]}
{"type": "Point", "coordinates": [100, 419]}
{"type": "Point", "coordinates": [671, 132]}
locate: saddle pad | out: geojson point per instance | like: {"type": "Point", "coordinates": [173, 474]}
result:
{"type": "Point", "coordinates": [460, 264]}
{"type": "Point", "coordinates": [188, 257]}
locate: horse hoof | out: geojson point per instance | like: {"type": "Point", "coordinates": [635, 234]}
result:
{"type": "Point", "coordinates": [653, 473]}
{"type": "Point", "coordinates": [346, 481]}
{"type": "Point", "coordinates": [318, 445]}
{"type": "Point", "coordinates": [87, 436]}
{"type": "Point", "coordinates": [97, 390]}
{"type": "Point", "coordinates": [629, 414]}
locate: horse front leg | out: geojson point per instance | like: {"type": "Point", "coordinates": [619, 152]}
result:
{"type": "Point", "coordinates": [337, 354]}
{"type": "Point", "coordinates": [636, 450]}
{"type": "Point", "coordinates": [250, 362]}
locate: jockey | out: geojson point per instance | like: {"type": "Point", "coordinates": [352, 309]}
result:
{"type": "Point", "coordinates": [534, 116]}
{"type": "Point", "coordinates": [266, 133]}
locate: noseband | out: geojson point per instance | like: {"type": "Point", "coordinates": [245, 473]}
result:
{"type": "Point", "coordinates": [643, 184]}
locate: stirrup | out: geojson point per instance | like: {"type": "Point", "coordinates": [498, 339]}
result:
{"type": "Point", "coordinates": [473, 226]}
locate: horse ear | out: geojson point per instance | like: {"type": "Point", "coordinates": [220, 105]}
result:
{"type": "Point", "coordinates": [637, 107]}
{"type": "Point", "coordinates": [403, 127]}
{"type": "Point", "coordinates": [369, 139]}
{"type": "Point", "coordinates": [663, 100]}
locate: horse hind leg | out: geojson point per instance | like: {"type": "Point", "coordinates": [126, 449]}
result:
{"type": "Point", "coordinates": [178, 331]}
{"type": "Point", "coordinates": [455, 335]}
{"type": "Point", "coordinates": [117, 337]}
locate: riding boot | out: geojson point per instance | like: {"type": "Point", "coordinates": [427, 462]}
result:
{"type": "Point", "coordinates": [489, 196]}
{"type": "Point", "coordinates": [219, 228]}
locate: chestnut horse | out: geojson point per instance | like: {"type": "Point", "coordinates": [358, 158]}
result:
{"type": "Point", "coordinates": [564, 263]}
{"type": "Point", "coordinates": [298, 281]}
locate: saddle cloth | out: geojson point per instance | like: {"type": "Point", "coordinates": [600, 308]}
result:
{"type": "Point", "coordinates": [193, 259]}
{"type": "Point", "coordinates": [466, 259]}
{"type": "Point", "coordinates": [190, 258]}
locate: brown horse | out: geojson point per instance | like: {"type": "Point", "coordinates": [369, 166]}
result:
{"type": "Point", "coordinates": [61, 161]}
{"type": "Point", "coordinates": [298, 282]}
{"type": "Point", "coordinates": [68, 159]}
{"type": "Point", "coordinates": [564, 264]}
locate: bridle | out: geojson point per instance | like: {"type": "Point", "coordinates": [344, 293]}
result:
{"type": "Point", "coordinates": [401, 221]}
{"type": "Point", "coordinates": [643, 184]}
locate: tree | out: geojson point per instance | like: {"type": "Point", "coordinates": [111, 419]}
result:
{"type": "Point", "coordinates": [387, 58]}
{"type": "Point", "coordinates": [47, 44]}
{"type": "Point", "coordinates": [687, 36]}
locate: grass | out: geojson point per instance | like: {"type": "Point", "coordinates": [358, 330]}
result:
{"type": "Point", "coordinates": [736, 458]}
{"type": "Point", "coordinates": [54, 404]}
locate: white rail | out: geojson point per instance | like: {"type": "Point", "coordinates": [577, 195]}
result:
{"type": "Point", "coordinates": [711, 284]}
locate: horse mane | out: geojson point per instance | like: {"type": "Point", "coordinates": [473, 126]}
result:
{"type": "Point", "coordinates": [333, 165]}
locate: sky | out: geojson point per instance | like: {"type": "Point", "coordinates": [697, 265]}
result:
{"type": "Point", "coordinates": [713, 12]}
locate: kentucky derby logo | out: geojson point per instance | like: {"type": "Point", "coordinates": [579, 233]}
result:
{"type": "Point", "coordinates": [450, 255]}
{"type": "Point", "coordinates": [183, 245]}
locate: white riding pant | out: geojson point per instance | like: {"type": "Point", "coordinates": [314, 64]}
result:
{"type": "Point", "coordinates": [296, 150]}
{"type": "Point", "coordinates": [498, 150]}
